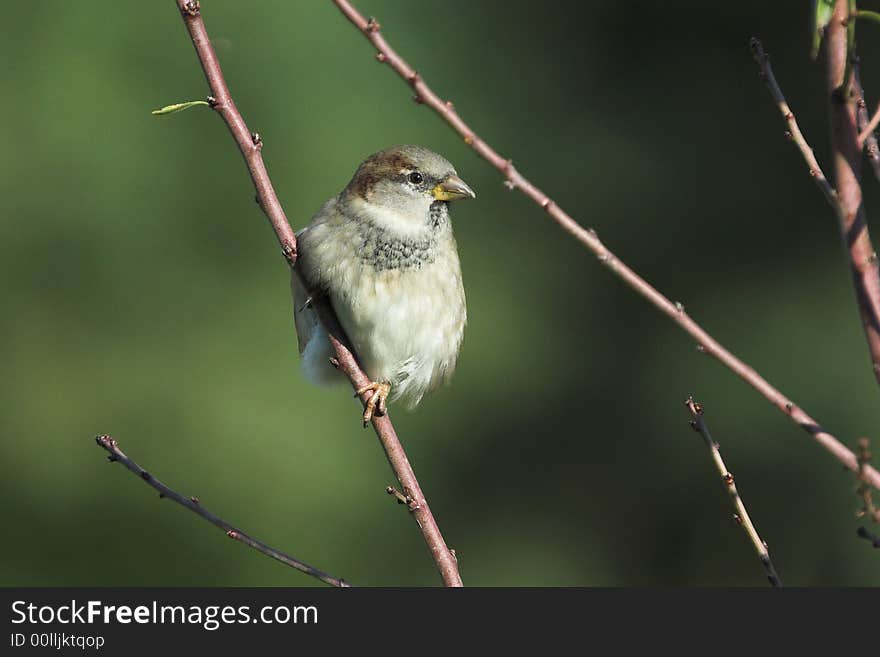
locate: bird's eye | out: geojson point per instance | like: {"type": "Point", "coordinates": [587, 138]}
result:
{"type": "Point", "coordinates": [415, 178]}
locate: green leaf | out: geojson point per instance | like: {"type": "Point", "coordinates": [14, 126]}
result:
{"type": "Point", "coordinates": [178, 107]}
{"type": "Point", "coordinates": [823, 9]}
{"type": "Point", "coordinates": [868, 15]}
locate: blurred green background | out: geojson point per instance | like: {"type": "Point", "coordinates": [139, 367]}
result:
{"type": "Point", "coordinates": [144, 296]}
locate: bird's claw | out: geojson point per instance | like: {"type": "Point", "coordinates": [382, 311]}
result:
{"type": "Point", "coordinates": [376, 404]}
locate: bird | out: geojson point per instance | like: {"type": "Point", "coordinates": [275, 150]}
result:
{"type": "Point", "coordinates": [383, 254]}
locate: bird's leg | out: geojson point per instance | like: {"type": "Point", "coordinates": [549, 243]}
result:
{"type": "Point", "coordinates": [376, 403]}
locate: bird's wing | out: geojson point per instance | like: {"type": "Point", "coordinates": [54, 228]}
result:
{"type": "Point", "coordinates": [304, 317]}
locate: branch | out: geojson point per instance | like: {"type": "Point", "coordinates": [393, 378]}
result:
{"type": "Point", "coordinates": [192, 503]}
{"type": "Point", "coordinates": [794, 132]}
{"type": "Point", "coordinates": [864, 490]}
{"type": "Point", "coordinates": [250, 145]}
{"type": "Point", "coordinates": [847, 205]}
{"type": "Point", "coordinates": [741, 516]}
{"type": "Point", "coordinates": [846, 151]}
{"type": "Point", "coordinates": [869, 126]}
{"type": "Point", "coordinates": [867, 136]}
{"type": "Point", "coordinates": [862, 532]}
{"type": "Point", "coordinates": [588, 237]}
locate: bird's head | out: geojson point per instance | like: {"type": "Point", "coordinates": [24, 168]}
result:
{"type": "Point", "coordinates": [400, 185]}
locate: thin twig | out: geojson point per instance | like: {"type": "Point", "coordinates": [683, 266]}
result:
{"type": "Point", "coordinates": [867, 128]}
{"type": "Point", "coordinates": [864, 490]}
{"type": "Point", "coordinates": [250, 145]}
{"type": "Point", "coordinates": [741, 516]}
{"type": "Point", "coordinates": [867, 136]}
{"type": "Point", "coordinates": [846, 151]}
{"type": "Point", "coordinates": [794, 132]}
{"type": "Point", "coordinates": [588, 237]}
{"type": "Point", "coordinates": [193, 504]}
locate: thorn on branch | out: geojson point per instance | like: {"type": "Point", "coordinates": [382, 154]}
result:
{"type": "Point", "coordinates": [402, 499]}
{"type": "Point", "coordinates": [417, 99]}
{"type": "Point", "coordinates": [334, 361]}
{"type": "Point", "coordinates": [449, 105]}
{"type": "Point", "coordinates": [106, 440]}
{"type": "Point", "coordinates": [258, 140]}
{"type": "Point", "coordinates": [194, 499]}
{"type": "Point", "coordinates": [192, 8]}
{"type": "Point", "coordinates": [232, 533]}
{"type": "Point", "coordinates": [381, 58]}
{"type": "Point", "coordinates": [372, 25]}
{"type": "Point", "coordinates": [289, 253]}
{"type": "Point", "coordinates": [695, 407]}
{"type": "Point", "coordinates": [679, 307]}
{"type": "Point", "coordinates": [212, 102]}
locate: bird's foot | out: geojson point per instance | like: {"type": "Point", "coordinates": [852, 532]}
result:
{"type": "Point", "coordinates": [376, 403]}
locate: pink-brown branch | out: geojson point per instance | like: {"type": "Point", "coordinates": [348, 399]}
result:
{"type": "Point", "coordinates": [250, 145]}
{"type": "Point", "coordinates": [514, 180]}
{"type": "Point", "coordinates": [867, 127]}
{"type": "Point", "coordinates": [867, 136]}
{"type": "Point", "coordinates": [846, 152]}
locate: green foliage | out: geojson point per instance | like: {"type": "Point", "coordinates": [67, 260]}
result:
{"type": "Point", "coordinates": [178, 107]}
{"type": "Point", "coordinates": [822, 11]}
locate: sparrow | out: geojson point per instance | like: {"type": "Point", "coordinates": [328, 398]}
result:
{"type": "Point", "coordinates": [383, 254]}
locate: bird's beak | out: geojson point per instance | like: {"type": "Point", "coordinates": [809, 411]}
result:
{"type": "Point", "coordinates": [452, 188]}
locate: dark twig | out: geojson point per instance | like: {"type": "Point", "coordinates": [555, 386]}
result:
{"type": "Point", "coordinates": [794, 131]}
{"type": "Point", "coordinates": [588, 237]}
{"type": "Point", "coordinates": [862, 532]}
{"type": "Point", "coordinates": [193, 504]}
{"type": "Point", "coordinates": [251, 144]}
{"type": "Point", "coordinates": [698, 423]}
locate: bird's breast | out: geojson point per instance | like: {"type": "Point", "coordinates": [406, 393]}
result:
{"type": "Point", "coordinates": [405, 314]}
